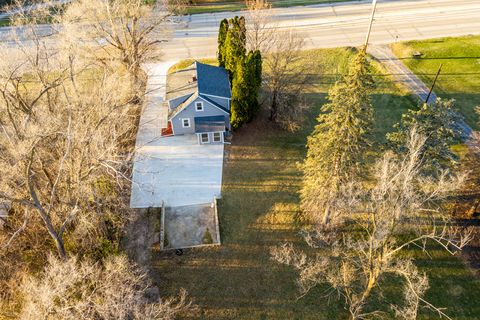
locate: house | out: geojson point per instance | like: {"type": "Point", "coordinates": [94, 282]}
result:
{"type": "Point", "coordinates": [198, 100]}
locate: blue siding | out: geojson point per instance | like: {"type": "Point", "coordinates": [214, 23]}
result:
{"type": "Point", "coordinates": [189, 112]}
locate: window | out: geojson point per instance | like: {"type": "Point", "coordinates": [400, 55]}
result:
{"type": "Point", "coordinates": [199, 106]}
{"type": "Point", "coordinates": [204, 137]}
{"type": "Point", "coordinates": [217, 137]}
{"type": "Point", "coordinates": [186, 123]}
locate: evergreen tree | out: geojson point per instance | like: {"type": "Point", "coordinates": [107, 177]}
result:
{"type": "Point", "coordinates": [336, 148]}
{"type": "Point", "coordinates": [253, 74]}
{"type": "Point", "coordinates": [240, 97]}
{"type": "Point", "coordinates": [439, 122]}
{"type": "Point", "coordinates": [222, 36]}
{"type": "Point", "coordinates": [245, 71]}
{"type": "Point", "coordinates": [235, 44]}
{"type": "Point", "coordinates": [256, 65]}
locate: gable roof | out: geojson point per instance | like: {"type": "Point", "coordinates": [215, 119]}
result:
{"type": "Point", "coordinates": [212, 80]}
{"type": "Point", "coordinates": [182, 105]}
{"type": "Point", "coordinates": [193, 97]}
{"type": "Point", "coordinates": [214, 103]}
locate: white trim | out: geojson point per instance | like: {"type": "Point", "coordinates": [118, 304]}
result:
{"type": "Point", "coordinates": [219, 108]}
{"type": "Point", "coordinates": [199, 104]}
{"type": "Point", "coordinates": [211, 95]}
{"type": "Point", "coordinates": [188, 95]}
{"type": "Point", "coordinates": [203, 99]}
{"type": "Point", "coordinates": [177, 112]}
{"type": "Point", "coordinates": [220, 136]}
{"type": "Point", "coordinates": [201, 137]}
{"type": "Point", "coordinates": [173, 130]}
{"type": "Point", "coordinates": [183, 122]}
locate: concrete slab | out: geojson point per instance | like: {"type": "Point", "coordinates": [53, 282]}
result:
{"type": "Point", "coordinates": [187, 226]}
{"type": "Point", "coordinates": [155, 113]}
{"type": "Point", "coordinates": [178, 171]}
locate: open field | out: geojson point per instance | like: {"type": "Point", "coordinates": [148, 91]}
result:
{"type": "Point", "coordinates": [205, 6]}
{"type": "Point", "coordinates": [460, 76]}
{"type": "Point", "coordinates": [260, 209]}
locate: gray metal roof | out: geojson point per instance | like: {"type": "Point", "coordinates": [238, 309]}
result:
{"type": "Point", "coordinates": [209, 124]}
{"type": "Point", "coordinates": [212, 80]}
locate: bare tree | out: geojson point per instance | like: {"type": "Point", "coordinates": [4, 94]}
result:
{"type": "Point", "coordinates": [64, 125]}
{"type": "Point", "coordinates": [70, 289]}
{"type": "Point", "coordinates": [260, 26]}
{"type": "Point", "coordinates": [286, 73]}
{"type": "Point", "coordinates": [67, 129]}
{"type": "Point", "coordinates": [366, 245]}
{"type": "Point", "coordinates": [125, 31]}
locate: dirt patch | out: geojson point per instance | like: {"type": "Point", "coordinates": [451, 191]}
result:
{"type": "Point", "coordinates": [141, 234]}
{"type": "Point", "coordinates": [189, 226]}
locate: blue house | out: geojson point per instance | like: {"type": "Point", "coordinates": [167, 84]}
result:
{"type": "Point", "coordinates": [198, 100]}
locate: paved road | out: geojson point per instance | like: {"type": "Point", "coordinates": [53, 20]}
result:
{"type": "Point", "coordinates": [28, 8]}
{"type": "Point", "coordinates": [342, 24]}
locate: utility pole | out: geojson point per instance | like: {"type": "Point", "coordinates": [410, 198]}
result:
{"type": "Point", "coordinates": [374, 4]}
{"type": "Point", "coordinates": [434, 82]}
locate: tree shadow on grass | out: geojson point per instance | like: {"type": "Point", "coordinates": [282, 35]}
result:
{"type": "Point", "coordinates": [238, 280]}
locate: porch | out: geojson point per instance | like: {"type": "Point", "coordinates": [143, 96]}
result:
{"type": "Point", "coordinates": [210, 129]}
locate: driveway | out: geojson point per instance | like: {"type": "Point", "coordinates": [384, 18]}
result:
{"type": "Point", "coordinates": [175, 170]}
{"type": "Point", "coordinates": [178, 171]}
{"type": "Point", "coordinates": [400, 72]}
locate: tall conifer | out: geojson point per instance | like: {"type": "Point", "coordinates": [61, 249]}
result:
{"type": "Point", "coordinates": [222, 36]}
{"type": "Point", "coordinates": [235, 43]}
{"type": "Point", "coordinates": [240, 97]}
{"type": "Point", "coordinates": [336, 149]}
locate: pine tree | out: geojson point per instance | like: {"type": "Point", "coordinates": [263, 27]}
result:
{"type": "Point", "coordinates": [336, 148]}
{"type": "Point", "coordinates": [256, 65]}
{"type": "Point", "coordinates": [253, 74]}
{"type": "Point", "coordinates": [240, 97]}
{"type": "Point", "coordinates": [235, 43]}
{"type": "Point", "coordinates": [245, 71]}
{"type": "Point", "coordinates": [222, 36]}
{"type": "Point", "coordinates": [439, 122]}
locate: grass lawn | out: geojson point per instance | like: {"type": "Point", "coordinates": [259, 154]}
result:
{"type": "Point", "coordinates": [188, 62]}
{"type": "Point", "coordinates": [260, 209]}
{"type": "Point", "coordinates": [460, 77]}
{"type": "Point", "coordinates": [206, 6]}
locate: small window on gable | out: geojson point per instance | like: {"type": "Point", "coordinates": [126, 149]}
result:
{"type": "Point", "coordinates": [186, 123]}
{"type": "Point", "coordinates": [199, 106]}
{"type": "Point", "coordinates": [204, 137]}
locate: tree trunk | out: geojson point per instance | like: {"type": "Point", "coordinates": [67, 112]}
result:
{"type": "Point", "coordinates": [273, 107]}
{"type": "Point", "coordinates": [57, 238]}
{"type": "Point", "coordinates": [326, 215]}
{"type": "Point", "coordinates": [59, 244]}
